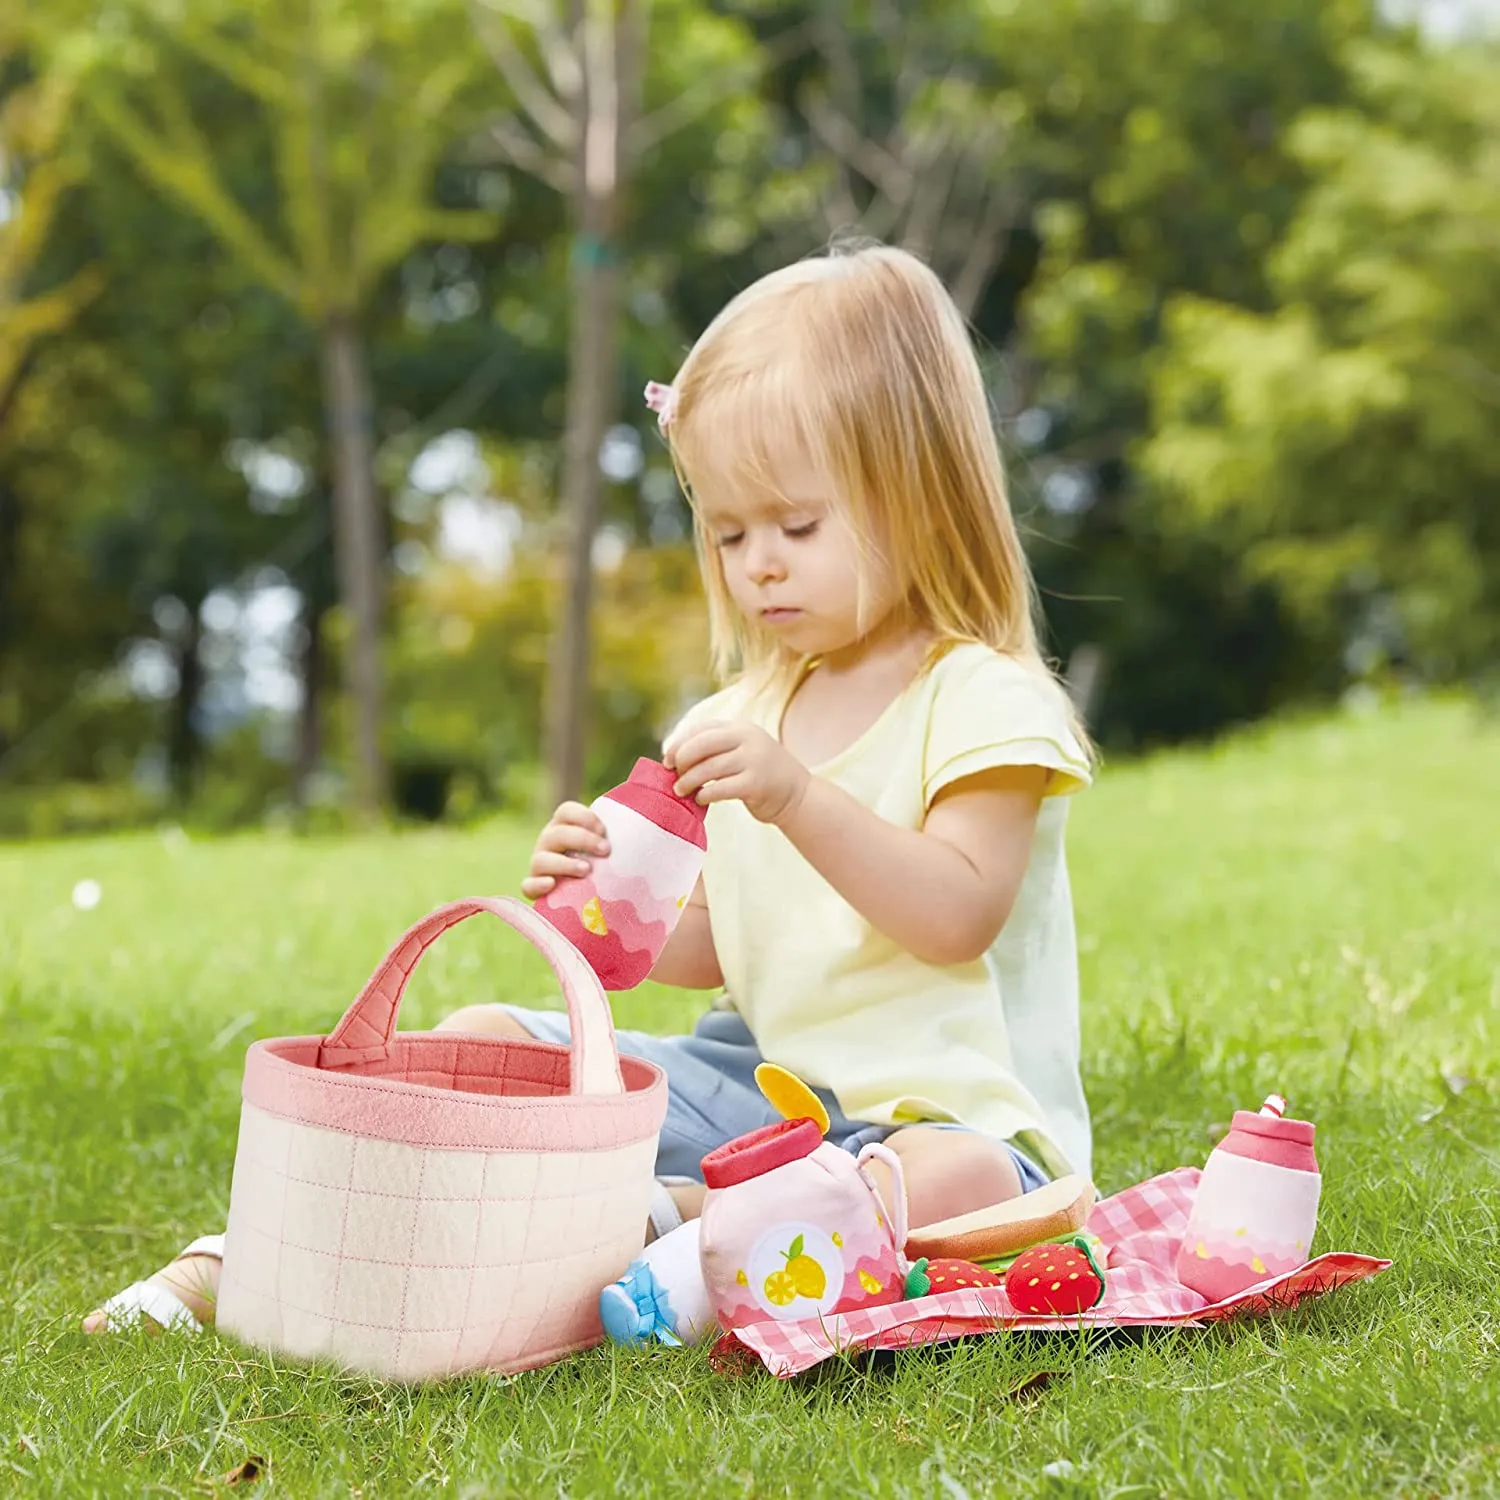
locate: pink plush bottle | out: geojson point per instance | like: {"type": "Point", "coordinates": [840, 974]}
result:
{"type": "Point", "coordinates": [1257, 1204]}
{"type": "Point", "coordinates": [793, 1228]}
{"type": "Point", "coordinates": [620, 915]}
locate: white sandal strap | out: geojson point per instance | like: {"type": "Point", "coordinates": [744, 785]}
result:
{"type": "Point", "coordinates": [147, 1298]}
{"type": "Point", "coordinates": [205, 1244]}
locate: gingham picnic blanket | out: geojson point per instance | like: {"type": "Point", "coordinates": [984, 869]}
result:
{"type": "Point", "coordinates": [1142, 1228]}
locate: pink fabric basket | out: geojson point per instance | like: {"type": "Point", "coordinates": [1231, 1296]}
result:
{"type": "Point", "coordinates": [415, 1205]}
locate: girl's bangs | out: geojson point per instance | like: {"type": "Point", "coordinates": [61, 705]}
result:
{"type": "Point", "coordinates": [732, 442]}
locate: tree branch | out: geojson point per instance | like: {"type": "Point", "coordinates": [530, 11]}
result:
{"type": "Point", "coordinates": [264, 81]}
{"type": "Point", "coordinates": [520, 150]}
{"type": "Point", "coordinates": [680, 111]}
{"type": "Point", "coordinates": [986, 246]}
{"type": "Point", "coordinates": [551, 117]}
{"type": "Point", "coordinates": [937, 169]}
{"type": "Point", "coordinates": [873, 162]}
{"type": "Point", "coordinates": [601, 124]}
{"type": "Point", "coordinates": [28, 323]}
{"type": "Point", "coordinates": [183, 170]}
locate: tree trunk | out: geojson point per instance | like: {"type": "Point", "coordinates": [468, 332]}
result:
{"type": "Point", "coordinates": [1085, 677]}
{"type": "Point", "coordinates": [10, 562]}
{"type": "Point", "coordinates": [184, 743]}
{"type": "Point", "coordinates": [612, 52]}
{"type": "Point", "coordinates": [313, 670]}
{"type": "Point", "coordinates": [358, 552]}
{"type": "Point", "coordinates": [592, 377]}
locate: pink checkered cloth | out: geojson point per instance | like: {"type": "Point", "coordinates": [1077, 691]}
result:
{"type": "Point", "coordinates": [1142, 1228]}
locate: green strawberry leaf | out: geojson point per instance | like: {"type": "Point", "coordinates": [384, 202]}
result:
{"type": "Point", "coordinates": [918, 1283]}
{"type": "Point", "coordinates": [1088, 1254]}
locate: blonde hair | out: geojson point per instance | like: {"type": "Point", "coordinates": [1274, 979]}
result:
{"type": "Point", "coordinates": [861, 356]}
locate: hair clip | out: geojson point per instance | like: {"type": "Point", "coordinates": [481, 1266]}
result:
{"type": "Point", "coordinates": [662, 399]}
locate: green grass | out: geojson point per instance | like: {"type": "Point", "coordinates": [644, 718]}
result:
{"type": "Point", "coordinates": [1312, 908]}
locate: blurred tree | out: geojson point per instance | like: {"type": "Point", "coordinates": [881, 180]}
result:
{"type": "Point", "coordinates": [915, 126]}
{"type": "Point", "coordinates": [122, 458]}
{"type": "Point", "coordinates": [1224, 520]}
{"type": "Point", "coordinates": [577, 74]}
{"type": "Point", "coordinates": [1346, 441]}
{"type": "Point", "coordinates": [1159, 142]}
{"type": "Point", "coordinates": [60, 625]}
{"type": "Point", "coordinates": [472, 654]}
{"type": "Point", "coordinates": [35, 173]}
{"type": "Point", "coordinates": [362, 102]}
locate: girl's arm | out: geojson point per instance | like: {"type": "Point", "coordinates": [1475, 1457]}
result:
{"type": "Point", "coordinates": [688, 959]}
{"type": "Point", "coordinates": [944, 892]}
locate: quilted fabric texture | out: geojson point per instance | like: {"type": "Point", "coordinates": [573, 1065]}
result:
{"type": "Point", "coordinates": [1142, 1228]}
{"type": "Point", "coordinates": [416, 1263]}
{"type": "Point", "coordinates": [416, 1205]}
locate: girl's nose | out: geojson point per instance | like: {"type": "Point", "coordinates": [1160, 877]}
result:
{"type": "Point", "coordinates": [763, 560]}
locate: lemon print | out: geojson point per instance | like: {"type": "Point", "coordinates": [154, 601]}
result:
{"type": "Point", "coordinates": [780, 1288]}
{"type": "Point", "coordinates": [593, 918]}
{"type": "Point", "coordinates": [869, 1283]}
{"type": "Point", "coordinates": [838, 1240]}
{"type": "Point", "coordinates": [811, 1279]}
{"type": "Point", "coordinates": [741, 1279]}
{"type": "Point", "coordinates": [1258, 1266]}
{"type": "Point", "coordinates": [808, 1277]}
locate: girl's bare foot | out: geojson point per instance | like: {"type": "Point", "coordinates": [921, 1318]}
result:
{"type": "Point", "coordinates": [192, 1279]}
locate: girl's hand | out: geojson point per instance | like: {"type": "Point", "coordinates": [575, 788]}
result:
{"type": "Point", "coordinates": [574, 831]}
{"type": "Point", "coordinates": [724, 762]}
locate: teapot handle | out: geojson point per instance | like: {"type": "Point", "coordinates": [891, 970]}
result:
{"type": "Point", "coordinates": [898, 1213]}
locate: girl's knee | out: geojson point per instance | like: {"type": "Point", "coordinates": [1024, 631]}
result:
{"type": "Point", "coordinates": [485, 1020]}
{"type": "Point", "coordinates": [951, 1172]}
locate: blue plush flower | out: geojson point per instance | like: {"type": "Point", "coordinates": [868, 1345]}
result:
{"type": "Point", "coordinates": [637, 1308]}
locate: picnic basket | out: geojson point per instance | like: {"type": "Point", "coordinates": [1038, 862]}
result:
{"type": "Point", "coordinates": [419, 1204]}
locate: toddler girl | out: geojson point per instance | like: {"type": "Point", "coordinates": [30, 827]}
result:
{"type": "Point", "coordinates": [885, 902]}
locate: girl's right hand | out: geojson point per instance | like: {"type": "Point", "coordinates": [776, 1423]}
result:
{"type": "Point", "coordinates": [573, 832]}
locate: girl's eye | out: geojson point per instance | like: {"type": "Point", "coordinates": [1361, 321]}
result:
{"type": "Point", "coordinates": [800, 531]}
{"type": "Point", "coordinates": [731, 539]}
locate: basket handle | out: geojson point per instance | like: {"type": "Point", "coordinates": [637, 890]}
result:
{"type": "Point", "coordinates": [365, 1032]}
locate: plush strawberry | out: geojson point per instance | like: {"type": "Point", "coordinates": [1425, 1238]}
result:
{"type": "Point", "coordinates": [1055, 1279]}
{"type": "Point", "coordinates": [946, 1274]}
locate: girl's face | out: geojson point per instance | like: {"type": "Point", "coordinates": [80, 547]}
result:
{"type": "Point", "coordinates": [791, 562]}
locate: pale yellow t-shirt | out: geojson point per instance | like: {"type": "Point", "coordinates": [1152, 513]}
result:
{"type": "Point", "coordinates": [993, 1043]}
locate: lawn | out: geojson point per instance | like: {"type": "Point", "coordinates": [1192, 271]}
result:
{"type": "Point", "coordinates": [1311, 908]}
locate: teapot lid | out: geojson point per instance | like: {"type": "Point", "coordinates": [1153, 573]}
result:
{"type": "Point", "coordinates": [761, 1151]}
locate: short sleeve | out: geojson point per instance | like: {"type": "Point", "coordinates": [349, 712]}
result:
{"type": "Point", "coordinates": [725, 704]}
{"type": "Point", "coordinates": [989, 710]}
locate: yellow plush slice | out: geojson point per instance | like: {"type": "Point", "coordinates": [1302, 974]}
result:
{"type": "Point", "coordinates": [789, 1096]}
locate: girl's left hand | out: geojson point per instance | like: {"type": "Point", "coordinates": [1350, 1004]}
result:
{"type": "Point", "coordinates": [724, 762]}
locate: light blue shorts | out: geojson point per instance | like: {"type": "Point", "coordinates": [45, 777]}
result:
{"type": "Point", "coordinates": [712, 1095]}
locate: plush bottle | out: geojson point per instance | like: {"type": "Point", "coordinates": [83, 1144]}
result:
{"type": "Point", "coordinates": [1257, 1204]}
{"type": "Point", "coordinates": [620, 915]}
